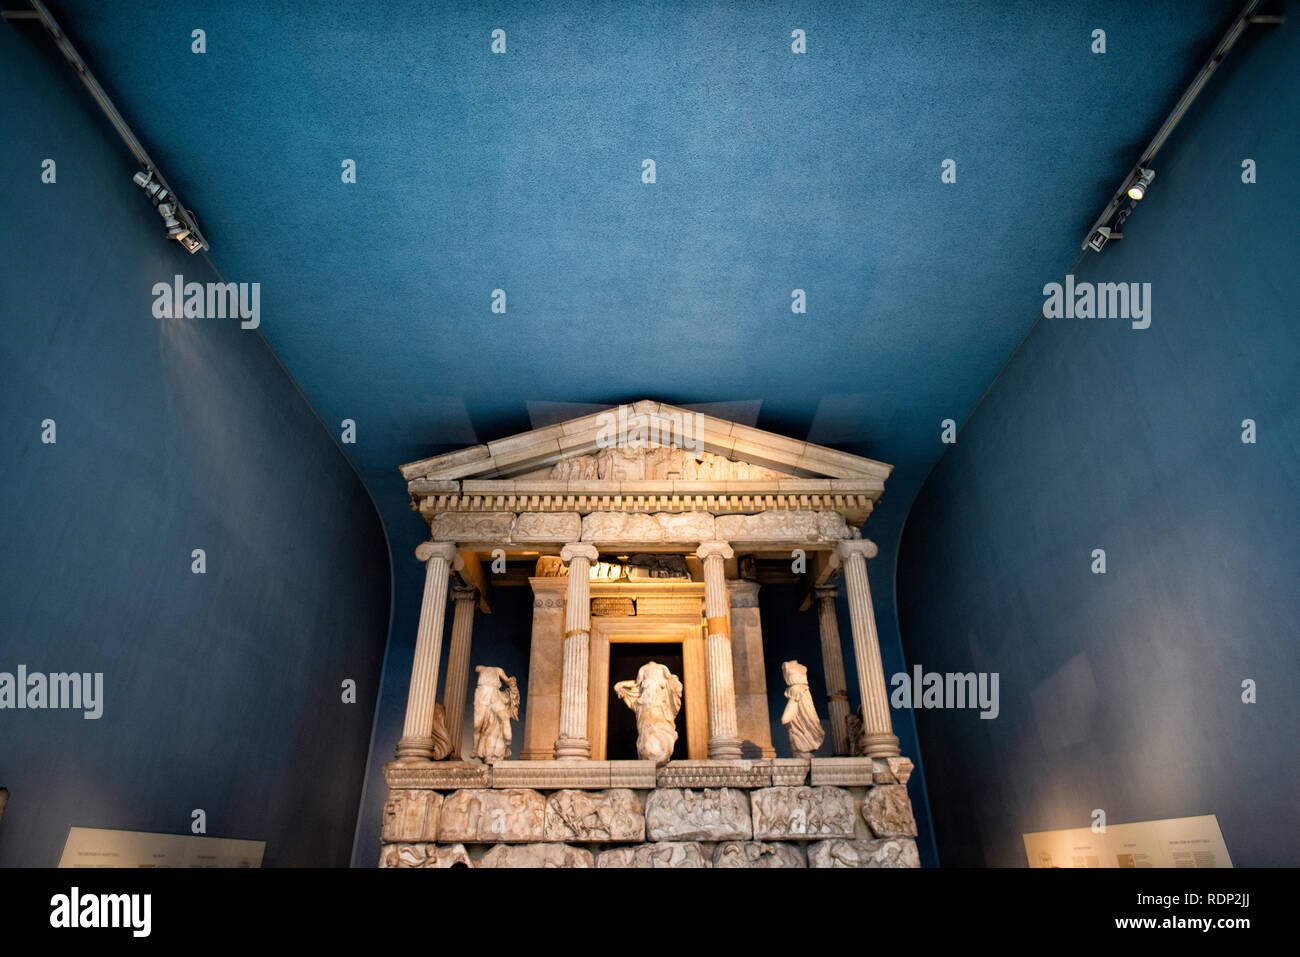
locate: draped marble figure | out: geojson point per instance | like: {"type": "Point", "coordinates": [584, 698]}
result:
{"type": "Point", "coordinates": [655, 697]}
{"type": "Point", "coordinates": [800, 717]}
{"type": "Point", "coordinates": [494, 708]}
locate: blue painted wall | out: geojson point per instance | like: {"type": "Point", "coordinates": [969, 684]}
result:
{"type": "Point", "coordinates": [221, 691]}
{"type": "Point", "coordinates": [1123, 691]}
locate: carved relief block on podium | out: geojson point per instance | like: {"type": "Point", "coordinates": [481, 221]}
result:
{"type": "Point", "coordinates": [888, 811]}
{"type": "Point", "coordinates": [411, 816]}
{"type": "Point", "coordinates": [888, 852]}
{"type": "Point", "coordinates": [493, 817]}
{"type": "Point", "coordinates": [654, 855]}
{"type": "Point", "coordinates": [758, 854]}
{"type": "Point", "coordinates": [587, 818]}
{"type": "Point", "coordinates": [793, 814]}
{"type": "Point", "coordinates": [720, 814]}
{"type": "Point", "coordinates": [537, 855]}
{"type": "Point", "coordinates": [423, 855]}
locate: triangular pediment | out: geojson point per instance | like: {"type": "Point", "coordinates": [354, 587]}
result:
{"type": "Point", "coordinates": [647, 441]}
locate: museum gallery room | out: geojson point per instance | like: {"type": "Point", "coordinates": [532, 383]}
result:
{"type": "Point", "coordinates": [724, 435]}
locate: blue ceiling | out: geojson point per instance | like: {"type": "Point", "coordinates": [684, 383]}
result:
{"type": "Point", "coordinates": [522, 172]}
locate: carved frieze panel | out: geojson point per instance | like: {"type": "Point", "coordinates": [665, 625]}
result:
{"type": "Point", "coordinates": [661, 463]}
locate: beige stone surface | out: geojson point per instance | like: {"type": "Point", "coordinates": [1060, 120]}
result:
{"type": "Point", "coordinates": [411, 816]}
{"type": "Point", "coordinates": [782, 527]}
{"type": "Point", "coordinates": [801, 813]}
{"type": "Point", "coordinates": [789, 772]}
{"type": "Point", "coordinates": [587, 817]}
{"type": "Point", "coordinates": [537, 855]}
{"type": "Point", "coordinates": [493, 817]}
{"type": "Point", "coordinates": [720, 814]}
{"type": "Point", "coordinates": [758, 854]}
{"type": "Point", "coordinates": [654, 855]}
{"type": "Point", "coordinates": [440, 776]}
{"type": "Point", "coordinates": [546, 527]}
{"type": "Point", "coordinates": [842, 772]}
{"type": "Point", "coordinates": [900, 768]}
{"type": "Point", "coordinates": [639, 528]}
{"type": "Point", "coordinates": [887, 852]}
{"type": "Point", "coordinates": [632, 774]}
{"type": "Point", "coordinates": [888, 812]}
{"type": "Point", "coordinates": [552, 775]}
{"type": "Point", "coordinates": [482, 527]}
{"type": "Point", "coordinates": [715, 774]}
{"type": "Point", "coordinates": [424, 855]}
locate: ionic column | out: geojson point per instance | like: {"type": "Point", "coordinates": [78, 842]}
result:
{"type": "Point", "coordinates": [416, 743]}
{"type": "Point", "coordinates": [837, 688]}
{"type": "Point", "coordinates": [453, 693]}
{"type": "Point", "coordinates": [573, 741]}
{"type": "Point", "coordinates": [724, 739]}
{"type": "Point", "coordinates": [878, 727]}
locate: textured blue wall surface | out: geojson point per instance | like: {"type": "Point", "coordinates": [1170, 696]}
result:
{"type": "Point", "coordinates": [220, 691]}
{"type": "Point", "coordinates": [1123, 691]}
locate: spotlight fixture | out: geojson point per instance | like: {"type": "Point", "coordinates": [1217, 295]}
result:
{"type": "Point", "coordinates": [178, 220]}
{"type": "Point", "coordinates": [1138, 188]}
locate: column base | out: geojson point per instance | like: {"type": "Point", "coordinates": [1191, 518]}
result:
{"type": "Point", "coordinates": [881, 745]}
{"type": "Point", "coordinates": [415, 748]}
{"type": "Point", "coordinates": [724, 749]}
{"type": "Point", "coordinates": [570, 748]}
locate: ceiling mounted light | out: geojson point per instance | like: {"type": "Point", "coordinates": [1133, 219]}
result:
{"type": "Point", "coordinates": [1138, 189]}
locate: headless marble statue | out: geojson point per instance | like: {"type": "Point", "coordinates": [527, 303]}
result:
{"type": "Point", "coordinates": [494, 708]}
{"type": "Point", "coordinates": [656, 697]}
{"type": "Point", "coordinates": [800, 717]}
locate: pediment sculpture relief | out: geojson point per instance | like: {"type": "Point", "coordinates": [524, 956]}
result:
{"type": "Point", "coordinates": [657, 463]}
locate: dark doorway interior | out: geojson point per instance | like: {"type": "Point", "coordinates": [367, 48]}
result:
{"type": "Point", "coordinates": [625, 659]}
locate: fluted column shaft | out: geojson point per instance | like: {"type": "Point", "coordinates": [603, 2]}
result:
{"type": "Point", "coordinates": [416, 743]}
{"type": "Point", "coordinates": [877, 724]}
{"type": "Point", "coordinates": [573, 741]}
{"type": "Point", "coordinates": [453, 695]}
{"type": "Point", "coordinates": [837, 688]}
{"type": "Point", "coordinates": [724, 738]}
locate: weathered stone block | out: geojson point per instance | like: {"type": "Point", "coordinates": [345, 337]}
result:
{"type": "Point", "coordinates": [710, 815]}
{"type": "Point", "coordinates": [888, 812]}
{"type": "Point", "coordinates": [594, 816]}
{"type": "Point", "coordinates": [424, 855]}
{"type": "Point", "coordinates": [654, 855]}
{"type": "Point", "coordinates": [438, 775]}
{"type": "Point", "coordinates": [716, 774]}
{"type": "Point", "coordinates": [842, 772]}
{"type": "Point", "coordinates": [546, 527]}
{"type": "Point", "coordinates": [792, 814]}
{"type": "Point", "coordinates": [537, 855]}
{"type": "Point", "coordinates": [887, 852]}
{"type": "Point", "coordinates": [756, 854]}
{"type": "Point", "coordinates": [411, 816]}
{"type": "Point", "coordinates": [789, 772]}
{"type": "Point", "coordinates": [901, 768]}
{"type": "Point", "coordinates": [471, 527]}
{"type": "Point", "coordinates": [551, 775]}
{"type": "Point", "coordinates": [493, 817]}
